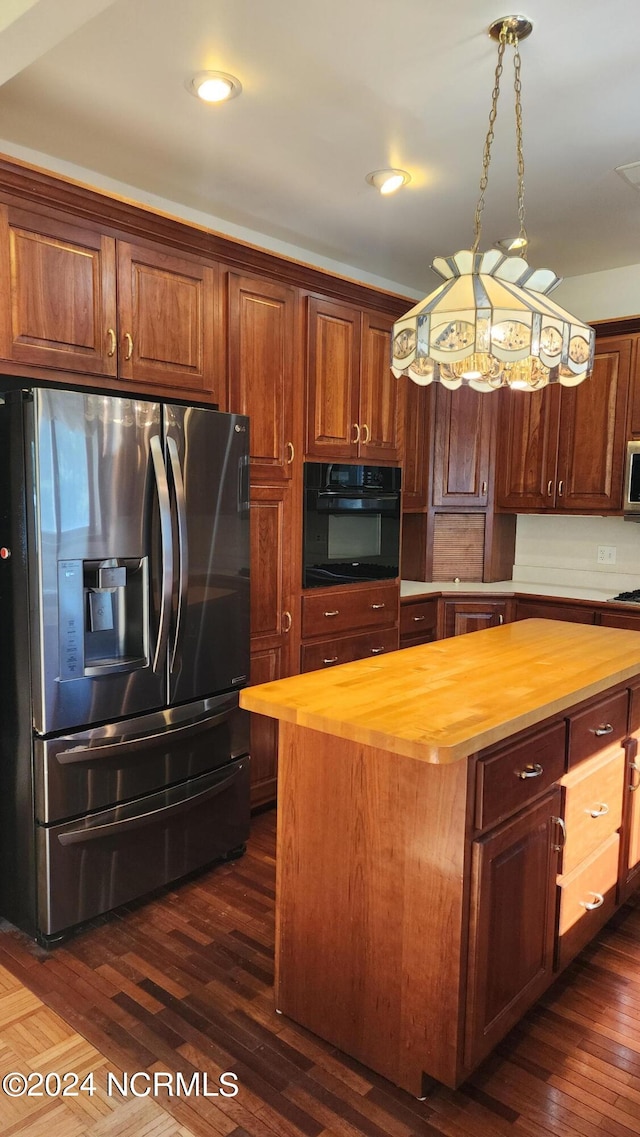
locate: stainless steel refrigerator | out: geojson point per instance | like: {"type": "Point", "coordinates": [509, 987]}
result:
{"type": "Point", "coordinates": [124, 625]}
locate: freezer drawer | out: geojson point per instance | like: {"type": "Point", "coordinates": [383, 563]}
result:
{"type": "Point", "coordinates": [106, 765]}
{"type": "Point", "coordinates": [92, 865]}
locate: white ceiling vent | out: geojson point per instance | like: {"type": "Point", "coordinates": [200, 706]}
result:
{"type": "Point", "coordinates": [630, 173]}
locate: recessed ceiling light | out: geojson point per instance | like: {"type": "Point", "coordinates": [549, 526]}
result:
{"type": "Point", "coordinates": [511, 244]}
{"type": "Point", "coordinates": [214, 86]}
{"type": "Point", "coordinates": [388, 181]}
{"type": "Point", "coordinates": [630, 173]}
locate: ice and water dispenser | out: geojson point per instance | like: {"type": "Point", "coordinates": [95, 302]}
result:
{"type": "Point", "coordinates": [104, 616]}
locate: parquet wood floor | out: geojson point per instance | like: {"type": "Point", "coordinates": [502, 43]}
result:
{"type": "Point", "coordinates": [183, 983]}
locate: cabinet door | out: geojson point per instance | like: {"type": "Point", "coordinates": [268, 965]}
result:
{"type": "Point", "coordinates": [333, 358]}
{"type": "Point", "coordinates": [593, 432]}
{"type": "Point", "coordinates": [418, 403]}
{"type": "Point", "coordinates": [58, 289]}
{"type": "Point", "coordinates": [634, 396]}
{"type": "Point", "coordinates": [527, 449]}
{"type": "Point", "coordinates": [166, 307]}
{"type": "Point", "coordinates": [512, 930]}
{"type": "Point", "coordinates": [380, 419]}
{"type": "Point", "coordinates": [461, 461]}
{"type": "Point", "coordinates": [465, 616]}
{"type": "Point", "coordinates": [262, 370]}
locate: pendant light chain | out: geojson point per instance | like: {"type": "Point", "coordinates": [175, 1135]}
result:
{"type": "Point", "coordinates": [518, 90]}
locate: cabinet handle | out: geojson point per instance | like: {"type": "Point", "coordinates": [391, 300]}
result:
{"type": "Point", "coordinates": [129, 343]}
{"type": "Point", "coordinates": [334, 612]}
{"type": "Point", "coordinates": [635, 769]}
{"type": "Point", "coordinates": [599, 809]}
{"type": "Point", "coordinates": [357, 430]}
{"type": "Point", "coordinates": [484, 488]}
{"type": "Point", "coordinates": [597, 902]}
{"type": "Point", "coordinates": [111, 350]}
{"type": "Point", "coordinates": [500, 618]}
{"type": "Point", "coordinates": [533, 770]}
{"type": "Point", "coordinates": [292, 453]}
{"type": "Point", "coordinates": [368, 434]}
{"type": "Point", "coordinates": [417, 619]}
{"type": "Point", "coordinates": [377, 606]}
{"type": "Point", "coordinates": [288, 617]}
{"type": "Point", "coordinates": [549, 488]}
{"type": "Point", "coordinates": [559, 846]}
{"type": "Point", "coordinates": [376, 650]}
{"type": "Point", "coordinates": [606, 728]}
{"type": "Point", "coordinates": [334, 659]}
{"type": "Point", "coordinates": [560, 488]}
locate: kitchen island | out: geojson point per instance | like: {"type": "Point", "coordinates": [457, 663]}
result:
{"type": "Point", "coordinates": [454, 824]}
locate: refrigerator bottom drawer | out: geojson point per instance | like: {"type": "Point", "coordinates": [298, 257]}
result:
{"type": "Point", "coordinates": [91, 865]}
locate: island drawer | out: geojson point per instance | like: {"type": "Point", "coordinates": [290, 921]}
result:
{"type": "Point", "coordinates": [593, 793]}
{"type": "Point", "coordinates": [345, 649]}
{"type": "Point", "coordinates": [508, 778]}
{"type": "Point", "coordinates": [597, 726]}
{"type": "Point", "coordinates": [587, 899]}
{"type": "Point", "coordinates": [343, 611]}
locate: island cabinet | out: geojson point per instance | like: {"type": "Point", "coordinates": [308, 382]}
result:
{"type": "Point", "coordinates": [562, 449]}
{"type": "Point", "coordinates": [76, 299]}
{"type": "Point", "coordinates": [454, 824]}
{"type": "Point", "coordinates": [354, 404]}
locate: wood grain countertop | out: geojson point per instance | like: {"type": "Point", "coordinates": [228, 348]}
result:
{"type": "Point", "coordinates": [442, 701]}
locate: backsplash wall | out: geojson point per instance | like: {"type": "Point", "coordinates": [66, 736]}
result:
{"type": "Point", "coordinates": [564, 550]}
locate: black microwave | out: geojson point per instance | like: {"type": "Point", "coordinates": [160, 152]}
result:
{"type": "Point", "coordinates": [351, 523]}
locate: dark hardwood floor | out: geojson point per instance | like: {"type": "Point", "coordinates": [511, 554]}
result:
{"type": "Point", "coordinates": [183, 983]}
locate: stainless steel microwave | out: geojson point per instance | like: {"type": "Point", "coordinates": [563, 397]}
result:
{"type": "Point", "coordinates": [632, 481]}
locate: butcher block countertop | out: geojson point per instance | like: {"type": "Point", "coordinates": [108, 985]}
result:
{"type": "Point", "coordinates": [442, 701]}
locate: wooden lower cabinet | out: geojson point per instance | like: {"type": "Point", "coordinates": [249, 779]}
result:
{"type": "Point", "coordinates": [340, 625]}
{"type": "Point", "coordinates": [512, 930]}
{"type": "Point", "coordinates": [461, 616]}
{"type": "Point", "coordinates": [549, 610]}
{"type": "Point", "coordinates": [418, 622]}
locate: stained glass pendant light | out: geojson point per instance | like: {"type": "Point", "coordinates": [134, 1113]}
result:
{"type": "Point", "coordinates": [491, 323]}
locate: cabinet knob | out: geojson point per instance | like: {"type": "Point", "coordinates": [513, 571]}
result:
{"type": "Point", "coordinates": [533, 770]}
{"type": "Point", "coordinates": [376, 650]}
{"type": "Point", "coordinates": [289, 620]}
{"type": "Point", "coordinates": [292, 453]}
{"type": "Point", "coordinates": [500, 618]}
{"type": "Point", "coordinates": [417, 619]}
{"type": "Point", "coordinates": [129, 342]}
{"type": "Point", "coordinates": [333, 612]}
{"type": "Point", "coordinates": [377, 606]}
{"type": "Point", "coordinates": [635, 769]}
{"type": "Point", "coordinates": [549, 488]}
{"type": "Point", "coordinates": [357, 433]}
{"type": "Point", "coordinates": [366, 432]}
{"type": "Point", "coordinates": [600, 809]}
{"type": "Point", "coordinates": [559, 846]}
{"type": "Point", "coordinates": [484, 488]}
{"type": "Point", "coordinates": [333, 659]}
{"type": "Point", "coordinates": [605, 728]}
{"type": "Point", "coordinates": [111, 350]}
{"type": "Point", "coordinates": [597, 902]}
{"type": "Point", "coordinates": [560, 488]}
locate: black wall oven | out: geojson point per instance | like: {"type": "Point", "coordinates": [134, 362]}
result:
{"type": "Point", "coordinates": [351, 523]}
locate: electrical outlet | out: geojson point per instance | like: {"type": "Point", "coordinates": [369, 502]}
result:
{"type": "Point", "coordinates": [606, 555]}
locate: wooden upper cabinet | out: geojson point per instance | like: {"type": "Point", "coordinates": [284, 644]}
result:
{"type": "Point", "coordinates": [166, 320]}
{"type": "Point", "coordinates": [58, 285]}
{"type": "Point", "coordinates": [592, 439]}
{"type": "Point", "coordinates": [462, 451]}
{"type": "Point", "coordinates": [354, 403]}
{"type": "Point", "coordinates": [418, 404]}
{"type": "Point", "coordinates": [634, 394]}
{"type": "Point", "coordinates": [333, 360]}
{"type": "Point", "coordinates": [380, 420]}
{"type": "Point", "coordinates": [527, 449]}
{"type": "Point", "coordinates": [262, 370]}
{"type": "Point", "coordinates": [563, 448]}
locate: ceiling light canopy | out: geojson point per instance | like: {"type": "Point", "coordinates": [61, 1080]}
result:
{"type": "Point", "coordinates": [388, 181]}
{"type": "Point", "coordinates": [491, 324]}
{"type": "Point", "coordinates": [214, 86]}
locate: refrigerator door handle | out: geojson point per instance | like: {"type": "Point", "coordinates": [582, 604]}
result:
{"type": "Point", "coordinates": [183, 551]}
{"type": "Point", "coordinates": [80, 754]}
{"type": "Point", "coordinates": [166, 538]}
{"type": "Point", "coordinates": [97, 832]}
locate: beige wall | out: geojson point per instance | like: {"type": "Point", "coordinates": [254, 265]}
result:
{"type": "Point", "coordinates": [601, 295]}
{"type": "Point", "coordinates": [564, 550]}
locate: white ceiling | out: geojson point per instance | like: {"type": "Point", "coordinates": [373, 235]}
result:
{"type": "Point", "coordinates": [333, 90]}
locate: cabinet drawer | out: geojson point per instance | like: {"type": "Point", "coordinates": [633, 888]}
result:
{"type": "Point", "coordinates": [418, 619]}
{"type": "Point", "coordinates": [593, 804]}
{"type": "Point", "coordinates": [346, 611]}
{"type": "Point", "coordinates": [508, 778]}
{"type": "Point", "coordinates": [634, 710]}
{"type": "Point", "coordinates": [599, 725]}
{"type": "Point", "coordinates": [592, 883]}
{"type": "Point", "coordinates": [328, 653]}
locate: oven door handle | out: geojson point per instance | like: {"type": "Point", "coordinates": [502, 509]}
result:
{"type": "Point", "coordinates": [97, 832]}
{"type": "Point", "coordinates": [80, 754]}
